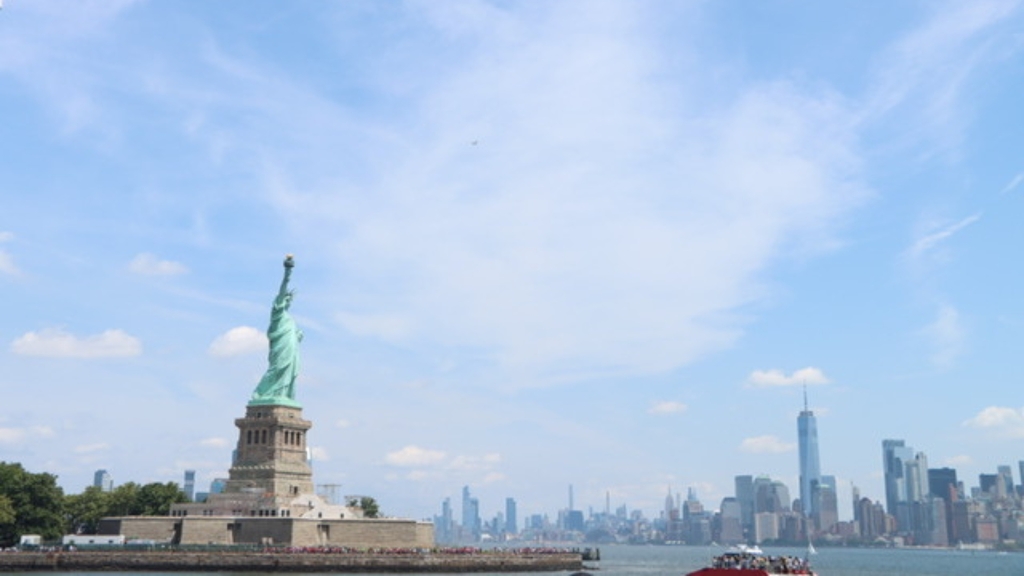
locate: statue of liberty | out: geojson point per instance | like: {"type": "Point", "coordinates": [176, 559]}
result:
{"type": "Point", "coordinates": [278, 384]}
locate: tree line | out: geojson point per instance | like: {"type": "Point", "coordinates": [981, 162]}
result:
{"type": "Point", "coordinates": [33, 503]}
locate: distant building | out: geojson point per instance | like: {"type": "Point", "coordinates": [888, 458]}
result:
{"type": "Point", "coordinates": [217, 485]}
{"type": "Point", "coordinates": [470, 517]}
{"type": "Point", "coordinates": [444, 525]}
{"type": "Point", "coordinates": [189, 487]}
{"type": "Point", "coordinates": [766, 527]}
{"type": "Point", "coordinates": [730, 529]}
{"type": "Point", "coordinates": [745, 498]}
{"type": "Point", "coordinates": [511, 520]}
{"type": "Point", "coordinates": [102, 480]}
{"type": "Point", "coordinates": [810, 466]}
{"type": "Point", "coordinates": [895, 456]}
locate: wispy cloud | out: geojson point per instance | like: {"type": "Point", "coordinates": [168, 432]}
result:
{"type": "Point", "coordinates": [667, 407]}
{"type": "Point", "coordinates": [1007, 422]}
{"type": "Point", "coordinates": [19, 435]}
{"type": "Point", "coordinates": [1013, 183]}
{"type": "Point", "coordinates": [7, 265]}
{"type": "Point", "coordinates": [414, 456]}
{"type": "Point", "coordinates": [777, 378]}
{"type": "Point", "coordinates": [946, 335]}
{"type": "Point", "coordinates": [932, 239]}
{"type": "Point", "coordinates": [57, 343]}
{"type": "Point", "coordinates": [544, 248]}
{"type": "Point", "coordinates": [237, 341]}
{"type": "Point", "coordinates": [149, 265]}
{"type": "Point", "coordinates": [766, 445]}
{"type": "Point", "coordinates": [924, 74]}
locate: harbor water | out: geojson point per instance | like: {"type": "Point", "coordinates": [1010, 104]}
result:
{"type": "Point", "coordinates": [679, 560]}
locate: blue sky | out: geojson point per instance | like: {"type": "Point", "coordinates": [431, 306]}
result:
{"type": "Point", "coordinates": [537, 244]}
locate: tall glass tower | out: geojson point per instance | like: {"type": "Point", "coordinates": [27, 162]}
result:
{"type": "Point", "coordinates": [810, 466]}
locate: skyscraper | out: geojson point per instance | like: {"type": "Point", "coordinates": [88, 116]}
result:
{"type": "Point", "coordinates": [190, 485]}
{"type": "Point", "coordinates": [894, 454]}
{"type": "Point", "coordinates": [810, 466]}
{"type": "Point", "coordinates": [102, 480]}
{"type": "Point", "coordinates": [511, 522]}
{"type": "Point", "coordinates": [745, 497]}
{"type": "Point", "coordinates": [470, 516]}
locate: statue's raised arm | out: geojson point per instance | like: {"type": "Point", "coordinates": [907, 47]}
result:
{"type": "Point", "coordinates": [277, 386]}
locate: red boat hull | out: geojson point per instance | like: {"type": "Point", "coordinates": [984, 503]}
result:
{"type": "Point", "coordinates": [739, 572]}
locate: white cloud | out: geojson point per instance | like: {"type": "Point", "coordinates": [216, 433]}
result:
{"type": "Point", "coordinates": [12, 435]}
{"type": "Point", "coordinates": [1013, 183]}
{"type": "Point", "coordinates": [149, 265]}
{"type": "Point", "coordinates": [775, 377]}
{"type": "Point", "coordinates": [667, 407]}
{"type": "Point", "coordinates": [342, 423]}
{"type": "Point", "coordinates": [1008, 422]}
{"type": "Point", "coordinates": [7, 265]}
{"type": "Point", "coordinates": [320, 454]}
{"type": "Point", "coordinates": [237, 341]}
{"type": "Point", "coordinates": [18, 435]}
{"type": "Point", "coordinates": [91, 448]}
{"type": "Point", "coordinates": [946, 335]}
{"type": "Point", "coordinates": [414, 456]}
{"type": "Point", "coordinates": [932, 239]}
{"type": "Point", "coordinates": [545, 248]}
{"type": "Point", "coordinates": [57, 343]}
{"type": "Point", "coordinates": [492, 477]}
{"type": "Point", "coordinates": [922, 80]}
{"type": "Point", "coordinates": [470, 463]}
{"type": "Point", "coordinates": [765, 445]}
{"type": "Point", "coordinates": [214, 443]}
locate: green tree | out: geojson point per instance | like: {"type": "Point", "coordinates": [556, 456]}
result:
{"type": "Point", "coordinates": [83, 511]}
{"type": "Point", "coordinates": [155, 499]}
{"type": "Point", "coordinates": [152, 499]}
{"type": "Point", "coordinates": [6, 511]}
{"type": "Point", "coordinates": [36, 500]}
{"type": "Point", "coordinates": [122, 500]}
{"type": "Point", "coordinates": [368, 505]}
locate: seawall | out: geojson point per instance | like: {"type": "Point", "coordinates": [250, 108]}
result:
{"type": "Point", "coordinates": [180, 561]}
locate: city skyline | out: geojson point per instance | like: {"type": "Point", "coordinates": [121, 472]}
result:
{"type": "Point", "coordinates": [534, 245]}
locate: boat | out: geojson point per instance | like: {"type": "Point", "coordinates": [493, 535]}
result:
{"type": "Point", "coordinates": [751, 561]}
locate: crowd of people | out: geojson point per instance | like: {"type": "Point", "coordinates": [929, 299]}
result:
{"type": "Point", "coordinates": [770, 564]}
{"type": "Point", "coordinates": [454, 550]}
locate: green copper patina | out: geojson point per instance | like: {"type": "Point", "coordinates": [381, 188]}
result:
{"type": "Point", "coordinates": [277, 387]}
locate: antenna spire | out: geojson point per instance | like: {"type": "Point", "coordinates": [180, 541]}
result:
{"type": "Point", "coordinates": [805, 396]}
